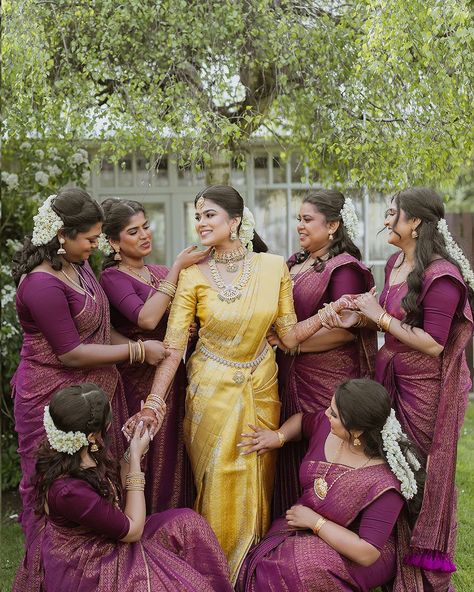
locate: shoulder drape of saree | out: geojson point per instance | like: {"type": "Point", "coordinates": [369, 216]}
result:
{"type": "Point", "coordinates": [433, 539]}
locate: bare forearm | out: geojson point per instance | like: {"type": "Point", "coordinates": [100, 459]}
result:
{"type": "Point", "coordinates": [165, 373]}
{"type": "Point", "coordinates": [117, 338]}
{"type": "Point", "coordinates": [92, 355]}
{"type": "Point", "coordinates": [291, 429]}
{"type": "Point", "coordinates": [153, 310]}
{"type": "Point", "coordinates": [348, 544]}
{"type": "Point", "coordinates": [326, 339]}
{"type": "Point", "coordinates": [415, 338]}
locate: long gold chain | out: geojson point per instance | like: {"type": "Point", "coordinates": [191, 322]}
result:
{"type": "Point", "coordinates": [152, 282]}
{"type": "Point", "coordinates": [82, 285]}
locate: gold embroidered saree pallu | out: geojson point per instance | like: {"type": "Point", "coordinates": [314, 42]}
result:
{"type": "Point", "coordinates": [232, 382]}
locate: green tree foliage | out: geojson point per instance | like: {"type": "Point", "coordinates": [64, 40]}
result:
{"type": "Point", "coordinates": [375, 92]}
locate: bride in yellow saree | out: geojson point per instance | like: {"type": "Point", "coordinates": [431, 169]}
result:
{"type": "Point", "coordinates": [236, 295]}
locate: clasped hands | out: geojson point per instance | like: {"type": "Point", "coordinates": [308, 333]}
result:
{"type": "Point", "coordinates": [356, 305]}
{"type": "Point", "coordinates": [145, 420]}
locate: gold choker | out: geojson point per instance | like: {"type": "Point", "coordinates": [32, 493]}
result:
{"type": "Point", "coordinates": [230, 258]}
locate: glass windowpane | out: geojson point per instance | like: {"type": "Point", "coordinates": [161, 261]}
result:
{"type": "Point", "coordinates": [160, 178]}
{"type": "Point", "coordinates": [260, 164]}
{"type": "Point", "coordinates": [270, 218]}
{"type": "Point", "coordinates": [279, 170]}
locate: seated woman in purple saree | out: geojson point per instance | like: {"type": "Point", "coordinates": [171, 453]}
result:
{"type": "Point", "coordinates": [89, 543]}
{"type": "Point", "coordinates": [350, 525]}
{"type": "Point", "coordinates": [64, 314]}
{"type": "Point", "coordinates": [328, 267]}
{"type": "Point", "coordinates": [425, 312]}
{"type": "Point", "coordinates": [139, 297]}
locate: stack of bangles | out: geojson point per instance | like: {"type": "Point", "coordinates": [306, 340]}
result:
{"type": "Point", "coordinates": [135, 482]}
{"type": "Point", "coordinates": [323, 313]}
{"type": "Point", "coordinates": [154, 402]}
{"type": "Point", "coordinates": [362, 322]}
{"type": "Point", "coordinates": [384, 321]}
{"type": "Point", "coordinates": [166, 287]}
{"type": "Point", "coordinates": [319, 524]}
{"type": "Point", "coordinates": [136, 351]}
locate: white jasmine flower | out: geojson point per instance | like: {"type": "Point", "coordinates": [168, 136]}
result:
{"type": "Point", "coordinates": [7, 295]}
{"type": "Point", "coordinates": [46, 223]}
{"type": "Point", "coordinates": [10, 180]}
{"type": "Point", "coordinates": [455, 252]}
{"type": "Point", "coordinates": [401, 467]}
{"type": "Point", "coordinates": [104, 245]}
{"type": "Point", "coordinates": [247, 229]}
{"type": "Point", "coordinates": [349, 218]}
{"type": "Point", "coordinates": [25, 146]}
{"type": "Point", "coordinates": [69, 442]}
{"type": "Point", "coordinates": [39, 154]}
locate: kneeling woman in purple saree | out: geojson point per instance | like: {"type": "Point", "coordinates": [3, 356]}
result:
{"type": "Point", "coordinates": [89, 544]}
{"type": "Point", "coordinates": [349, 528]}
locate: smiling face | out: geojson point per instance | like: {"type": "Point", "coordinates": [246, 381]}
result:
{"type": "Point", "coordinates": [313, 228]}
{"type": "Point", "coordinates": [399, 230]}
{"type": "Point", "coordinates": [135, 239]}
{"type": "Point", "coordinates": [214, 225]}
{"type": "Point", "coordinates": [78, 249]}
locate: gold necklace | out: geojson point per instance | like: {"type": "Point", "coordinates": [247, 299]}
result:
{"type": "Point", "coordinates": [82, 285]}
{"type": "Point", "coordinates": [229, 258]}
{"type": "Point", "coordinates": [228, 292]}
{"type": "Point", "coordinates": [320, 485]}
{"type": "Point", "coordinates": [152, 282]}
{"type": "Point", "coordinates": [390, 285]}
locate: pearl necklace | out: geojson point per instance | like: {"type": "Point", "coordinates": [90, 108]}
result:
{"type": "Point", "coordinates": [228, 292]}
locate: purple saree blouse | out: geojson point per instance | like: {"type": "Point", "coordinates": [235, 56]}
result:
{"type": "Point", "coordinates": [169, 480]}
{"type": "Point", "coordinates": [55, 319]}
{"type": "Point", "coordinates": [365, 500]}
{"type": "Point", "coordinates": [79, 549]}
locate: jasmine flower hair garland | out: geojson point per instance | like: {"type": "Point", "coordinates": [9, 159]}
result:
{"type": "Point", "coordinates": [349, 218]}
{"type": "Point", "coordinates": [46, 223]}
{"type": "Point", "coordinates": [68, 442]}
{"type": "Point", "coordinates": [455, 252]}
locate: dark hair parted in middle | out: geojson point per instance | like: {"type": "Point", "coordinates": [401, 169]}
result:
{"type": "Point", "coordinates": [365, 405]}
{"type": "Point", "coordinates": [117, 215]}
{"type": "Point", "coordinates": [232, 202]}
{"type": "Point", "coordinates": [329, 203]}
{"type": "Point", "coordinates": [78, 408]}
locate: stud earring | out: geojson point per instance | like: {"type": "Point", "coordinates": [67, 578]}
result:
{"type": "Point", "coordinates": [117, 256]}
{"type": "Point", "coordinates": [233, 234]}
{"type": "Point", "coordinates": [94, 447]}
{"type": "Point", "coordinates": [414, 234]}
{"type": "Point", "coordinates": [356, 441]}
{"type": "Point", "coordinates": [61, 250]}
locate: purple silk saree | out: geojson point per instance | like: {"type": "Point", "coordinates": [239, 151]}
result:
{"type": "Point", "coordinates": [40, 374]}
{"type": "Point", "coordinates": [178, 552]}
{"type": "Point", "coordinates": [307, 381]}
{"type": "Point", "coordinates": [169, 479]}
{"type": "Point", "coordinates": [429, 396]}
{"type": "Point", "coordinates": [288, 559]}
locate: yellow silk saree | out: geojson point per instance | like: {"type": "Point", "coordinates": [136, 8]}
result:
{"type": "Point", "coordinates": [225, 393]}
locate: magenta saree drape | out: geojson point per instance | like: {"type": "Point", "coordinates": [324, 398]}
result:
{"type": "Point", "coordinates": [308, 381]}
{"type": "Point", "coordinates": [430, 396]}
{"type": "Point", "coordinates": [40, 374]}
{"type": "Point", "coordinates": [169, 479]}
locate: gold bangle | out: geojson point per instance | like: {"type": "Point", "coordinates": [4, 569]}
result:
{"type": "Point", "coordinates": [142, 351]}
{"type": "Point", "coordinates": [281, 437]}
{"type": "Point", "coordinates": [362, 322]}
{"type": "Point", "coordinates": [130, 355]}
{"type": "Point", "coordinates": [319, 524]}
{"type": "Point", "coordinates": [386, 322]}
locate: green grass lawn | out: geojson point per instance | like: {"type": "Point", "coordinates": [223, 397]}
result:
{"type": "Point", "coordinates": [12, 549]}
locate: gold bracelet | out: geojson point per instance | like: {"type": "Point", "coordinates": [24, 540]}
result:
{"type": "Point", "coordinates": [386, 322]}
{"type": "Point", "coordinates": [142, 351]}
{"type": "Point", "coordinates": [319, 524]}
{"type": "Point", "coordinates": [281, 437]}
{"type": "Point", "coordinates": [130, 356]}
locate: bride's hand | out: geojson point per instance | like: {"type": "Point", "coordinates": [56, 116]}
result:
{"type": "Point", "coordinates": [344, 320]}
